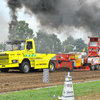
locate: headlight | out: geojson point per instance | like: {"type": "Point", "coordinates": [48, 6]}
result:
{"type": "Point", "coordinates": [14, 61]}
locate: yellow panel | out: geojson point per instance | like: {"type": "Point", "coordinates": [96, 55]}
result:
{"type": "Point", "coordinates": [32, 62]}
{"type": "Point", "coordinates": [39, 55]}
{"type": "Point", "coordinates": [41, 63]}
{"type": "Point", "coordinates": [78, 62]}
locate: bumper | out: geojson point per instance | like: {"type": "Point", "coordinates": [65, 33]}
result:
{"type": "Point", "coordinates": [9, 65]}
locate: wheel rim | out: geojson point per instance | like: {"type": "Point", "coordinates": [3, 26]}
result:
{"type": "Point", "coordinates": [93, 67]}
{"type": "Point", "coordinates": [51, 66]}
{"type": "Point", "coordinates": [26, 68]}
{"type": "Point", "coordinates": [97, 66]}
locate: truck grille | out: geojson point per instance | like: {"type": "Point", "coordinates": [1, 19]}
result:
{"type": "Point", "coordinates": [4, 59]}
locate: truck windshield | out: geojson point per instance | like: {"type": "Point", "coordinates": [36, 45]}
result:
{"type": "Point", "coordinates": [94, 44]}
{"type": "Point", "coordinates": [16, 46]}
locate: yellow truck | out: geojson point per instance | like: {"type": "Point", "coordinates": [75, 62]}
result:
{"type": "Point", "coordinates": [21, 54]}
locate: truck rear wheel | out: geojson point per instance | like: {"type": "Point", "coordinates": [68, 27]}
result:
{"type": "Point", "coordinates": [96, 67]}
{"type": "Point", "coordinates": [4, 70]}
{"type": "Point", "coordinates": [25, 67]}
{"type": "Point", "coordinates": [52, 66]}
{"type": "Point", "coordinates": [92, 67]}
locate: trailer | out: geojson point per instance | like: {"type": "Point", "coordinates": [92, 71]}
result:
{"type": "Point", "coordinates": [80, 61]}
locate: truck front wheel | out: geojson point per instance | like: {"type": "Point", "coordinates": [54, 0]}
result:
{"type": "Point", "coordinates": [25, 67]}
{"type": "Point", "coordinates": [51, 66]}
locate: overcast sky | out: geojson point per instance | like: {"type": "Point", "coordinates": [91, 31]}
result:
{"type": "Point", "coordinates": [33, 23]}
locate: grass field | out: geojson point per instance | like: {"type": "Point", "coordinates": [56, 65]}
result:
{"type": "Point", "coordinates": [80, 89]}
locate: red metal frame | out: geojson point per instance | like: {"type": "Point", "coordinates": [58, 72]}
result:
{"type": "Point", "coordinates": [83, 68]}
{"type": "Point", "coordinates": [66, 59]}
{"type": "Point", "coordinates": [68, 64]}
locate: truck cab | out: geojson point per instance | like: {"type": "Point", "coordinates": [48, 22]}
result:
{"type": "Point", "coordinates": [94, 46]}
{"type": "Point", "coordinates": [21, 54]}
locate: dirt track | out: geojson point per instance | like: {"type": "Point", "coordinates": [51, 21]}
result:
{"type": "Point", "coordinates": [14, 80]}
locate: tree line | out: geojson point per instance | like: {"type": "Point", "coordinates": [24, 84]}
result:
{"type": "Point", "coordinates": [47, 43]}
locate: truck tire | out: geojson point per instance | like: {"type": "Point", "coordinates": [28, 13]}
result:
{"type": "Point", "coordinates": [92, 67]}
{"type": "Point", "coordinates": [51, 66]}
{"type": "Point", "coordinates": [96, 67]}
{"type": "Point", "coordinates": [25, 67]}
{"type": "Point", "coordinates": [4, 70]}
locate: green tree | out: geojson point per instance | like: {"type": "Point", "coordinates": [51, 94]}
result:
{"type": "Point", "coordinates": [47, 43]}
{"type": "Point", "coordinates": [56, 43]}
{"type": "Point", "coordinates": [43, 42]}
{"type": "Point", "coordinates": [22, 31]}
{"type": "Point", "coordinates": [1, 46]}
{"type": "Point", "coordinates": [68, 44]}
{"type": "Point", "coordinates": [80, 45]}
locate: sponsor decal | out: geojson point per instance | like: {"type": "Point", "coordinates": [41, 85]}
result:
{"type": "Point", "coordinates": [35, 55]}
{"type": "Point", "coordinates": [99, 60]}
{"type": "Point", "coordinates": [42, 64]}
{"type": "Point", "coordinates": [74, 63]}
{"type": "Point", "coordinates": [3, 65]}
{"type": "Point", "coordinates": [95, 60]}
{"type": "Point", "coordinates": [76, 56]}
{"type": "Point", "coordinates": [30, 55]}
{"type": "Point", "coordinates": [72, 57]}
{"type": "Point", "coordinates": [25, 55]}
{"type": "Point", "coordinates": [78, 62]}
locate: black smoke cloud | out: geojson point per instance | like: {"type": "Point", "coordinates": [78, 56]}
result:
{"type": "Point", "coordinates": [13, 5]}
{"type": "Point", "coordinates": [58, 14]}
